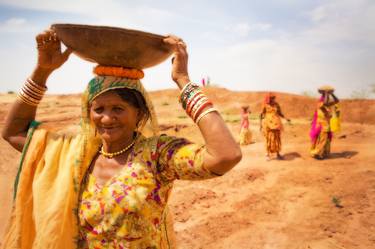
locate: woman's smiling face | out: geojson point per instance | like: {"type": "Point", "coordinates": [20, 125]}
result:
{"type": "Point", "coordinates": [115, 119]}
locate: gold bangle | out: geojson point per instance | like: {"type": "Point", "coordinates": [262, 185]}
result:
{"type": "Point", "coordinates": [212, 109]}
{"type": "Point", "coordinates": [25, 100]}
{"type": "Point", "coordinates": [208, 103]}
{"type": "Point", "coordinates": [27, 93]}
{"type": "Point", "coordinates": [185, 86]}
{"type": "Point", "coordinates": [196, 105]}
{"type": "Point", "coordinates": [28, 97]}
{"type": "Point", "coordinates": [186, 91]}
{"type": "Point", "coordinates": [191, 103]}
{"type": "Point", "coordinates": [42, 89]}
{"type": "Point", "coordinates": [33, 88]}
{"type": "Point", "coordinates": [31, 93]}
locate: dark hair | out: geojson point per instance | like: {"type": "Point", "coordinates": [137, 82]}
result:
{"type": "Point", "coordinates": [134, 98]}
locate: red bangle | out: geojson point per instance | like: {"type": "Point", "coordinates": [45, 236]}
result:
{"type": "Point", "coordinates": [193, 102]}
{"type": "Point", "coordinates": [200, 108]}
{"type": "Point", "coordinates": [197, 105]}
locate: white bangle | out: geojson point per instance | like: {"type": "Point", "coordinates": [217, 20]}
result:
{"type": "Point", "coordinates": [212, 109]}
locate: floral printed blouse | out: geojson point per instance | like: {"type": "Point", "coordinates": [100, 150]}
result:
{"type": "Point", "coordinates": [324, 116]}
{"type": "Point", "coordinates": [129, 210]}
{"type": "Point", "coordinates": [272, 119]}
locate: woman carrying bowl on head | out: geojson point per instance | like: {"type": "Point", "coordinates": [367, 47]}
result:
{"type": "Point", "coordinates": [107, 186]}
{"type": "Point", "coordinates": [271, 125]}
{"type": "Point", "coordinates": [325, 121]}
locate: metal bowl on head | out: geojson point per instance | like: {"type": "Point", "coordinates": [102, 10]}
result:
{"type": "Point", "coordinates": [111, 46]}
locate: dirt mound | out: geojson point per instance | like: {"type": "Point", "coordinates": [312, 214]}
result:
{"type": "Point", "coordinates": [297, 203]}
{"type": "Point", "coordinates": [293, 106]}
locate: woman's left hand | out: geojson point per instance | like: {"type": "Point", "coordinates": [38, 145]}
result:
{"type": "Point", "coordinates": [180, 73]}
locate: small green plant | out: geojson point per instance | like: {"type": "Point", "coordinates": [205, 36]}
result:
{"type": "Point", "coordinates": [165, 103]}
{"type": "Point", "coordinates": [182, 117]}
{"type": "Point", "coordinates": [10, 92]}
{"type": "Point", "coordinates": [337, 201]}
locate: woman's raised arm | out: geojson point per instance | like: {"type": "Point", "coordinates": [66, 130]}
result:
{"type": "Point", "coordinates": [222, 151]}
{"type": "Point", "coordinates": [24, 108]}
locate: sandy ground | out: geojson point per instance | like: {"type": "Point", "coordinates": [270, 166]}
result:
{"type": "Point", "coordinates": [297, 203]}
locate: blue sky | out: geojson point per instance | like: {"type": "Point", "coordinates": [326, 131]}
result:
{"type": "Point", "coordinates": [279, 45]}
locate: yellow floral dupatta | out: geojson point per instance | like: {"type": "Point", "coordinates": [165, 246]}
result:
{"type": "Point", "coordinates": [53, 165]}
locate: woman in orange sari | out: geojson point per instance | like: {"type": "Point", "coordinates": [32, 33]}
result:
{"type": "Point", "coordinates": [271, 125]}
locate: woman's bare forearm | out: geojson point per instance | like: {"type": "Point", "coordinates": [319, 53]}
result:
{"type": "Point", "coordinates": [50, 57]}
{"type": "Point", "coordinates": [21, 114]}
{"type": "Point", "coordinates": [335, 99]}
{"type": "Point", "coordinates": [222, 151]}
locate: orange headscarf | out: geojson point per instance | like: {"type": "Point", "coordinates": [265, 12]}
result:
{"type": "Point", "coordinates": [268, 97]}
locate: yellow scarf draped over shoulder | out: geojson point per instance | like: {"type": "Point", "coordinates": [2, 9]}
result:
{"type": "Point", "coordinates": [44, 214]}
{"type": "Point", "coordinates": [47, 187]}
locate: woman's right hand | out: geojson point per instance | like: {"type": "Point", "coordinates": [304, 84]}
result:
{"type": "Point", "coordinates": [50, 56]}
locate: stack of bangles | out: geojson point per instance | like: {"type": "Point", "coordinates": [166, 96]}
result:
{"type": "Point", "coordinates": [195, 102]}
{"type": "Point", "coordinates": [31, 93]}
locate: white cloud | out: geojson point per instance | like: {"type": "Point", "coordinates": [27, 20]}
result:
{"type": "Point", "coordinates": [110, 12]}
{"type": "Point", "coordinates": [343, 21]}
{"type": "Point", "coordinates": [287, 64]}
{"type": "Point", "coordinates": [78, 6]}
{"type": "Point", "coordinates": [15, 21]}
{"type": "Point", "coordinates": [336, 46]}
{"type": "Point", "coordinates": [14, 25]}
{"type": "Point", "coordinates": [337, 49]}
{"type": "Point", "coordinates": [243, 29]}
{"type": "Point", "coordinates": [261, 26]}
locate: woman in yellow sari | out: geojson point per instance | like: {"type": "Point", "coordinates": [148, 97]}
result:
{"type": "Point", "coordinates": [322, 126]}
{"type": "Point", "coordinates": [108, 185]}
{"type": "Point", "coordinates": [271, 125]}
{"type": "Point", "coordinates": [245, 133]}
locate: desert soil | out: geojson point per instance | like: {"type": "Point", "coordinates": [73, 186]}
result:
{"type": "Point", "coordinates": [295, 203]}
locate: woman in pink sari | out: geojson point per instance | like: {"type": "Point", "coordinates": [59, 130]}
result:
{"type": "Point", "coordinates": [320, 132]}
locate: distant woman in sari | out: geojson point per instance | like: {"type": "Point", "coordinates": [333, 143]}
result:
{"type": "Point", "coordinates": [271, 125]}
{"type": "Point", "coordinates": [325, 121]}
{"type": "Point", "coordinates": [245, 133]}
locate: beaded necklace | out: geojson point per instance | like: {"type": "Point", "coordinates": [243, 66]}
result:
{"type": "Point", "coordinates": [112, 155]}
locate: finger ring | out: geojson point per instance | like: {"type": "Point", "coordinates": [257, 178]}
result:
{"type": "Point", "coordinates": [40, 44]}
